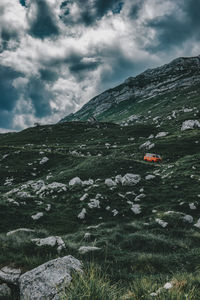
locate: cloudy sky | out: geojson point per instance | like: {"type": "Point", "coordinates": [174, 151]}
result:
{"type": "Point", "coordinates": [55, 55]}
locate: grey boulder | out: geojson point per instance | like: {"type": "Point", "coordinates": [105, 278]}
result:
{"type": "Point", "coordinates": [47, 281]}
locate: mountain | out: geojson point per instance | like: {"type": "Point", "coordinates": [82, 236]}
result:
{"type": "Point", "coordinates": [154, 89]}
{"type": "Point", "coordinates": [83, 189]}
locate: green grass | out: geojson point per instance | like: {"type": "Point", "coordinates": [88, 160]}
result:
{"type": "Point", "coordinates": [137, 255]}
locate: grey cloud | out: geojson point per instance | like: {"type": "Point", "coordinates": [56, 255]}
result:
{"type": "Point", "coordinates": [48, 75]}
{"type": "Point", "coordinates": [84, 66]}
{"type": "Point", "coordinates": [173, 30]}
{"type": "Point", "coordinates": [43, 24]}
{"type": "Point", "coordinates": [8, 93]}
{"type": "Point", "coordinates": [7, 35]}
{"type": "Point", "coordinates": [102, 6]}
{"type": "Point", "coordinates": [135, 8]}
{"type": "Point", "coordinates": [40, 97]}
{"type": "Point", "coordinates": [89, 12]}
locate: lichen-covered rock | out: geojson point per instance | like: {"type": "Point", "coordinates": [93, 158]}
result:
{"type": "Point", "coordinates": [190, 124]}
{"type": "Point", "coordinates": [37, 216]}
{"type": "Point", "coordinates": [47, 280]}
{"type": "Point", "coordinates": [130, 179]}
{"type": "Point", "coordinates": [51, 241]}
{"type": "Point", "coordinates": [10, 275]}
{"type": "Point", "coordinates": [149, 177]}
{"type": "Point", "coordinates": [118, 179]}
{"type": "Point", "coordinates": [147, 145]}
{"type": "Point", "coordinates": [161, 222]}
{"type": "Point", "coordinates": [75, 181]}
{"type": "Point", "coordinates": [110, 183]}
{"type": "Point", "coordinates": [85, 249]}
{"type": "Point", "coordinates": [20, 230]}
{"type": "Point", "coordinates": [82, 214]}
{"type": "Point", "coordinates": [161, 134]}
{"type": "Point", "coordinates": [44, 160]}
{"type": "Point", "coordinates": [197, 224]}
{"type": "Point", "coordinates": [136, 209]}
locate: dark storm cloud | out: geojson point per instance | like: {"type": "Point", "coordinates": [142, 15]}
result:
{"type": "Point", "coordinates": [8, 93]}
{"type": "Point", "coordinates": [173, 30]}
{"type": "Point", "coordinates": [103, 6]}
{"type": "Point", "coordinates": [84, 66]}
{"type": "Point", "coordinates": [89, 12]}
{"type": "Point", "coordinates": [43, 24]}
{"type": "Point", "coordinates": [7, 35]}
{"type": "Point", "coordinates": [48, 75]}
{"type": "Point", "coordinates": [40, 97]}
{"type": "Point", "coordinates": [135, 9]}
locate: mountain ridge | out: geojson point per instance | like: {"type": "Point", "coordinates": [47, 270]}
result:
{"type": "Point", "coordinates": [179, 73]}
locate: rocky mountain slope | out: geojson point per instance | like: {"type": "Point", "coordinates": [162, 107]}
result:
{"type": "Point", "coordinates": [79, 194]}
{"type": "Point", "coordinates": [178, 80]}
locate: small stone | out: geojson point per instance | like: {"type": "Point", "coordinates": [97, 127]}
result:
{"type": "Point", "coordinates": [86, 249]}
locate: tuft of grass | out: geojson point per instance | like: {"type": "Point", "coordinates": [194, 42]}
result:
{"type": "Point", "coordinates": [92, 284]}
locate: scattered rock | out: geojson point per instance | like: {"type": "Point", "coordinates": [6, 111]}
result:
{"type": "Point", "coordinates": [161, 222]}
{"type": "Point", "coordinates": [47, 280]}
{"type": "Point", "coordinates": [44, 160]}
{"type": "Point", "coordinates": [149, 177]}
{"type": "Point", "coordinates": [197, 224]}
{"type": "Point", "coordinates": [161, 134]}
{"type": "Point", "coordinates": [136, 209]}
{"type": "Point", "coordinates": [188, 218]}
{"type": "Point", "coordinates": [88, 182]}
{"type": "Point", "coordinates": [10, 275]}
{"type": "Point", "coordinates": [118, 179]}
{"type": "Point", "coordinates": [94, 203]}
{"type": "Point", "coordinates": [86, 249]}
{"type": "Point", "coordinates": [87, 235]}
{"type": "Point", "coordinates": [51, 241]}
{"type": "Point", "coordinates": [110, 183]}
{"type": "Point", "coordinates": [83, 197]}
{"type": "Point", "coordinates": [115, 212]}
{"type": "Point", "coordinates": [82, 214]}
{"type": "Point", "coordinates": [130, 179]}
{"type": "Point", "coordinates": [147, 145]}
{"type": "Point", "coordinates": [19, 230]}
{"type": "Point", "coordinates": [168, 286]}
{"type": "Point", "coordinates": [192, 206]}
{"type": "Point", "coordinates": [48, 207]}
{"type": "Point", "coordinates": [37, 216]}
{"type": "Point", "coordinates": [75, 181]}
{"type": "Point", "coordinates": [190, 124]}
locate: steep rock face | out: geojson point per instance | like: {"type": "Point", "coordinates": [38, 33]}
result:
{"type": "Point", "coordinates": [179, 74]}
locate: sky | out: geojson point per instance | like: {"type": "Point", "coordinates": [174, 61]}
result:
{"type": "Point", "coordinates": [55, 55]}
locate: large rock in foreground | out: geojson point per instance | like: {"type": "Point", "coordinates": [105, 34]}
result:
{"type": "Point", "coordinates": [46, 281]}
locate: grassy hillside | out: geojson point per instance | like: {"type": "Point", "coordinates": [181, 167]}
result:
{"type": "Point", "coordinates": [146, 231]}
